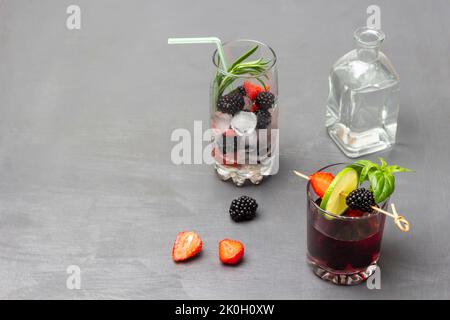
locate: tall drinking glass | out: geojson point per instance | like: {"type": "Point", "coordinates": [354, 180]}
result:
{"type": "Point", "coordinates": [244, 112]}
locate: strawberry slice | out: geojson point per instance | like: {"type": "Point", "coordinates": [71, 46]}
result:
{"type": "Point", "coordinates": [320, 181]}
{"type": "Point", "coordinates": [230, 251]}
{"type": "Point", "coordinates": [251, 89]}
{"type": "Point", "coordinates": [187, 244]}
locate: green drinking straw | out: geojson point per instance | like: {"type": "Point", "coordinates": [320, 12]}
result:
{"type": "Point", "coordinates": [203, 40]}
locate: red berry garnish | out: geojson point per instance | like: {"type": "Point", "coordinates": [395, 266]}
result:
{"type": "Point", "coordinates": [187, 244]}
{"type": "Point", "coordinates": [320, 181]}
{"type": "Point", "coordinates": [251, 89]}
{"type": "Point", "coordinates": [230, 251]}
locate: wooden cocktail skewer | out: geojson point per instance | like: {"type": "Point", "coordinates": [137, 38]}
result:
{"type": "Point", "coordinates": [304, 176]}
{"type": "Point", "coordinates": [399, 221]}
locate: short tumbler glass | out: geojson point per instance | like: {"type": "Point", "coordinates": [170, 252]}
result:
{"type": "Point", "coordinates": [342, 249]}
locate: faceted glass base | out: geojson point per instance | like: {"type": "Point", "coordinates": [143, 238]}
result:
{"type": "Point", "coordinates": [340, 277]}
{"type": "Point", "coordinates": [356, 145]}
{"type": "Point", "coordinates": [253, 173]}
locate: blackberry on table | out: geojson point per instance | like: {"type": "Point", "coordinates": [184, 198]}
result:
{"type": "Point", "coordinates": [265, 100]}
{"type": "Point", "coordinates": [361, 199]}
{"type": "Point", "coordinates": [243, 208]}
{"type": "Point", "coordinates": [263, 119]}
{"type": "Point", "coordinates": [231, 103]}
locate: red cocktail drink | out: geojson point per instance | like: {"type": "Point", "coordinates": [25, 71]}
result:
{"type": "Point", "coordinates": [343, 248]}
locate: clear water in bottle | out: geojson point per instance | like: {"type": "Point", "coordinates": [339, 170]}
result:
{"type": "Point", "coordinates": [363, 102]}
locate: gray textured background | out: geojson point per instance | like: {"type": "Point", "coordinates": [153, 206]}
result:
{"type": "Point", "coordinates": [85, 170]}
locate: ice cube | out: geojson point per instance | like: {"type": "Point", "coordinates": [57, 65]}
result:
{"type": "Point", "coordinates": [221, 122]}
{"type": "Point", "coordinates": [244, 123]}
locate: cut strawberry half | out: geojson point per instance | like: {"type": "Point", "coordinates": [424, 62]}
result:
{"type": "Point", "coordinates": [187, 244]}
{"type": "Point", "coordinates": [320, 181]}
{"type": "Point", "coordinates": [230, 251]}
{"type": "Point", "coordinates": [251, 89]}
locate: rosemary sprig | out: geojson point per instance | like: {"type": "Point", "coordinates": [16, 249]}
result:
{"type": "Point", "coordinates": [240, 67]}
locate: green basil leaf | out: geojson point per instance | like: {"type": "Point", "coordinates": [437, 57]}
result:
{"type": "Point", "coordinates": [377, 181]}
{"type": "Point", "coordinates": [383, 163]}
{"type": "Point", "coordinates": [366, 170]}
{"type": "Point", "coordinates": [393, 169]}
{"type": "Point", "coordinates": [382, 185]}
{"type": "Point", "coordinates": [388, 187]}
{"type": "Point", "coordinates": [381, 177]}
{"type": "Point", "coordinates": [361, 165]}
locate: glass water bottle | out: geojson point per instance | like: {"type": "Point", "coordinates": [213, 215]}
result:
{"type": "Point", "coordinates": [363, 102]}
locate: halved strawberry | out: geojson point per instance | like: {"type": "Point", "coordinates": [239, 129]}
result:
{"type": "Point", "coordinates": [187, 244]}
{"type": "Point", "coordinates": [320, 181]}
{"type": "Point", "coordinates": [230, 251]}
{"type": "Point", "coordinates": [251, 89]}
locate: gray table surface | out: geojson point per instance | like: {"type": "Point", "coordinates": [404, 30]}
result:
{"type": "Point", "coordinates": [85, 172]}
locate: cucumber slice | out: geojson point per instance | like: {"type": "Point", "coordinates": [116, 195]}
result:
{"type": "Point", "coordinates": [345, 182]}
